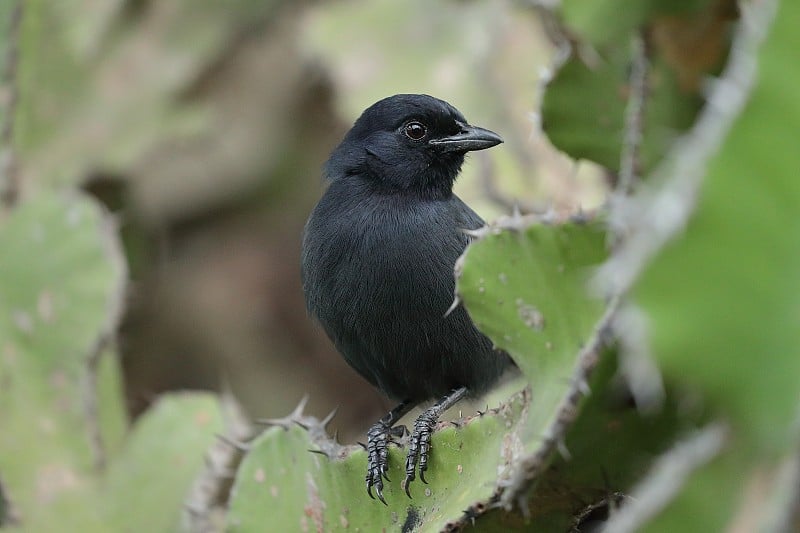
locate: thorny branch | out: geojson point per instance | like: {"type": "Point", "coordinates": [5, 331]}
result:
{"type": "Point", "coordinates": [630, 162]}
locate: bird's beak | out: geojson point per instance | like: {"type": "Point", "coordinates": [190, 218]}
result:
{"type": "Point", "coordinates": [470, 138]}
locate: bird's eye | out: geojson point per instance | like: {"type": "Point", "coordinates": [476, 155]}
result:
{"type": "Point", "coordinates": [415, 130]}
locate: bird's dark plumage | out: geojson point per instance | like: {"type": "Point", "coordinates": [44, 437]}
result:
{"type": "Point", "coordinates": [379, 251]}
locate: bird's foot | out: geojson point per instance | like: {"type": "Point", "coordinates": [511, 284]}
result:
{"type": "Point", "coordinates": [377, 458]}
{"type": "Point", "coordinates": [419, 446]}
{"type": "Point", "coordinates": [378, 438]}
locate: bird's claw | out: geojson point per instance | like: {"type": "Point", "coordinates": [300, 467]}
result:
{"type": "Point", "coordinates": [378, 490]}
{"type": "Point", "coordinates": [407, 484]}
{"type": "Point", "coordinates": [419, 447]}
{"type": "Point", "coordinates": [375, 479]}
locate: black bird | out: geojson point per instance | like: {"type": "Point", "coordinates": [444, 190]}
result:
{"type": "Point", "coordinates": [378, 256]}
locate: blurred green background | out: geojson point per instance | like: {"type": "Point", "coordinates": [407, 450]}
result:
{"type": "Point", "coordinates": [201, 127]}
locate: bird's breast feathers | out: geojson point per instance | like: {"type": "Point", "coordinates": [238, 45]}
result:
{"type": "Point", "coordinates": [387, 250]}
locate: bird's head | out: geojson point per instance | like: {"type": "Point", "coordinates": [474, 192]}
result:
{"type": "Point", "coordinates": [409, 142]}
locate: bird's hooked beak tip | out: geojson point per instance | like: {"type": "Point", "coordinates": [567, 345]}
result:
{"type": "Point", "coordinates": [469, 139]}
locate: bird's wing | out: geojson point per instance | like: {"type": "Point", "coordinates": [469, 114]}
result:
{"type": "Point", "coordinates": [467, 219]}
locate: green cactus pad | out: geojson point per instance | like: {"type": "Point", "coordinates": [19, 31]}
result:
{"type": "Point", "coordinates": [282, 486]}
